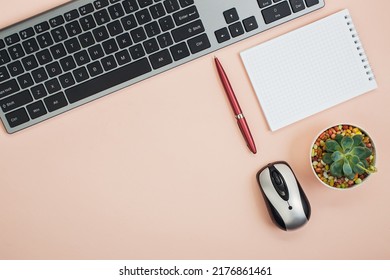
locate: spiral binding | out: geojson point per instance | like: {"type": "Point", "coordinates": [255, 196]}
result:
{"type": "Point", "coordinates": [359, 48]}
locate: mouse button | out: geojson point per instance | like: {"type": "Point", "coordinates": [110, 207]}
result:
{"type": "Point", "coordinates": [276, 178]}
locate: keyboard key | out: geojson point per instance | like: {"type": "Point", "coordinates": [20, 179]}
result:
{"type": "Point", "coordinates": [160, 59]}
{"type": "Point", "coordinates": [129, 22]}
{"type": "Point", "coordinates": [297, 5]}
{"type": "Point", "coordinates": [186, 15]}
{"type": "Point", "coordinates": [81, 57]}
{"type": "Point", "coordinates": [96, 52]}
{"type": "Point", "coordinates": [110, 46]}
{"type": "Point", "coordinates": [143, 16]}
{"type": "Point", "coordinates": [72, 45]}
{"type": "Point", "coordinates": [80, 74]}
{"type": "Point", "coordinates": [27, 33]}
{"type": "Point", "coordinates": [157, 11]}
{"type": "Point", "coordinates": [231, 15]}
{"type": "Point", "coordinates": [8, 88]}
{"type": "Point", "coordinates": [66, 80]}
{"type": "Point", "coordinates": [187, 31]}
{"type": "Point", "coordinates": [185, 3]}
{"type": "Point", "coordinates": [17, 117]}
{"type": "Point", "coordinates": [58, 51]}
{"type": "Point", "coordinates": [250, 24]}
{"type": "Point", "coordinates": [310, 3]}
{"type": "Point", "coordinates": [53, 69]}
{"type": "Point", "coordinates": [115, 28]}
{"type": "Point", "coordinates": [137, 51]}
{"type": "Point", "coordinates": [45, 40]}
{"type": "Point", "coordinates": [165, 40]}
{"type": "Point", "coordinates": [171, 5]}
{"type": "Point", "coordinates": [59, 34]}
{"type": "Point", "coordinates": [44, 57]}
{"type": "Point", "coordinates": [86, 39]}
{"type": "Point", "coordinates": [36, 110]}
{"type": "Point", "coordinates": [54, 22]}
{"type": "Point", "coordinates": [109, 63]}
{"type": "Point", "coordinates": [55, 102]}
{"type": "Point", "coordinates": [4, 75]}
{"type": "Point", "coordinates": [152, 29]}
{"type": "Point", "coordinates": [87, 23]}
{"type": "Point", "coordinates": [72, 15]}
{"type": "Point", "coordinates": [100, 34]}
{"type": "Point", "coordinates": [130, 6]}
{"type": "Point", "coordinates": [39, 75]}
{"type": "Point", "coordinates": [16, 51]}
{"type": "Point", "coordinates": [30, 46]}
{"type": "Point", "coordinates": [12, 39]}
{"type": "Point", "coordinates": [222, 35]}
{"type": "Point", "coordinates": [52, 86]}
{"type": "Point", "coordinates": [30, 63]}
{"type": "Point", "coordinates": [25, 81]}
{"type": "Point", "coordinates": [73, 28]}
{"type": "Point", "coordinates": [264, 3]}
{"type": "Point", "coordinates": [276, 12]}
{"type": "Point", "coordinates": [199, 43]}
{"type": "Point", "coordinates": [180, 51]}
{"type": "Point", "coordinates": [2, 44]}
{"type": "Point", "coordinates": [151, 46]}
{"type": "Point", "coordinates": [4, 57]}
{"type": "Point", "coordinates": [42, 27]}
{"type": "Point", "coordinates": [166, 23]}
{"type": "Point", "coordinates": [124, 40]}
{"type": "Point", "coordinates": [123, 57]}
{"type": "Point", "coordinates": [101, 17]}
{"type": "Point", "coordinates": [38, 92]}
{"type": "Point", "coordinates": [86, 9]}
{"type": "Point", "coordinates": [116, 11]}
{"type": "Point", "coordinates": [100, 4]}
{"type": "Point", "coordinates": [144, 3]}
{"type": "Point", "coordinates": [138, 34]}
{"type": "Point", "coordinates": [15, 68]}
{"type": "Point", "coordinates": [108, 80]}
{"type": "Point", "coordinates": [68, 63]}
{"type": "Point", "coordinates": [236, 29]}
{"type": "Point", "coordinates": [15, 101]}
{"type": "Point", "coordinates": [95, 68]}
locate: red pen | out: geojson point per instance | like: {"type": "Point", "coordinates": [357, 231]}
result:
{"type": "Point", "coordinates": [242, 124]}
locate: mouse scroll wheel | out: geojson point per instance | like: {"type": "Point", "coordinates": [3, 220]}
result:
{"type": "Point", "coordinates": [277, 179]}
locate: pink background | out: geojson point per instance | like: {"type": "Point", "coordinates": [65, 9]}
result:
{"type": "Point", "coordinates": [162, 172]}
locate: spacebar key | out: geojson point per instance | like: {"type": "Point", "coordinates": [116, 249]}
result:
{"type": "Point", "coordinates": [108, 80]}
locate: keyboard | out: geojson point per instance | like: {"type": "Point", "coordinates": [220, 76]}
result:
{"type": "Point", "coordinates": [84, 49]}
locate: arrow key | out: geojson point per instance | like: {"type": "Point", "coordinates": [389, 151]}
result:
{"type": "Point", "coordinates": [222, 35]}
{"type": "Point", "coordinates": [236, 29]}
{"type": "Point", "coordinates": [250, 24]}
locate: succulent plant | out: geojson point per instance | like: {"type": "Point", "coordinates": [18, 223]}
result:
{"type": "Point", "coordinates": [347, 156]}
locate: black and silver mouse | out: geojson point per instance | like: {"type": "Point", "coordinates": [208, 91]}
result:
{"type": "Point", "coordinates": [286, 202]}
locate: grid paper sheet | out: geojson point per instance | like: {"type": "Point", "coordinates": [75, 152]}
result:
{"type": "Point", "coordinates": [309, 70]}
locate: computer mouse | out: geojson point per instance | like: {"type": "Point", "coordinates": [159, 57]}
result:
{"type": "Point", "coordinates": [287, 204]}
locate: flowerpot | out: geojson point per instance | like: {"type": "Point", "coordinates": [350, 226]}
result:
{"type": "Point", "coordinates": [356, 159]}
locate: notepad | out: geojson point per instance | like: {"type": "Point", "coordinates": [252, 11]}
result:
{"type": "Point", "coordinates": [309, 70]}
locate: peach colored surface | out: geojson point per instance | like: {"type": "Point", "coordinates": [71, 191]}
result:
{"type": "Point", "coordinates": [162, 172]}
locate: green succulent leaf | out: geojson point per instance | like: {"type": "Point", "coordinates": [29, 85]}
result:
{"type": "Point", "coordinates": [338, 138]}
{"type": "Point", "coordinates": [336, 168]}
{"type": "Point", "coordinates": [361, 152]}
{"type": "Point", "coordinates": [347, 169]}
{"type": "Point", "coordinates": [336, 156]}
{"type": "Point", "coordinates": [357, 140]}
{"type": "Point", "coordinates": [359, 168]}
{"type": "Point", "coordinates": [351, 176]}
{"type": "Point", "coordinates": [332, 146]}
{"type": "Point", "coordinates": [327, 158]}
{"type": "Point", "coordinates": [347, 143]}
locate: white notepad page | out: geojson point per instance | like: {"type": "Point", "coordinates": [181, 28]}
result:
{"type": "Point", "coordinates": [309, 70]}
